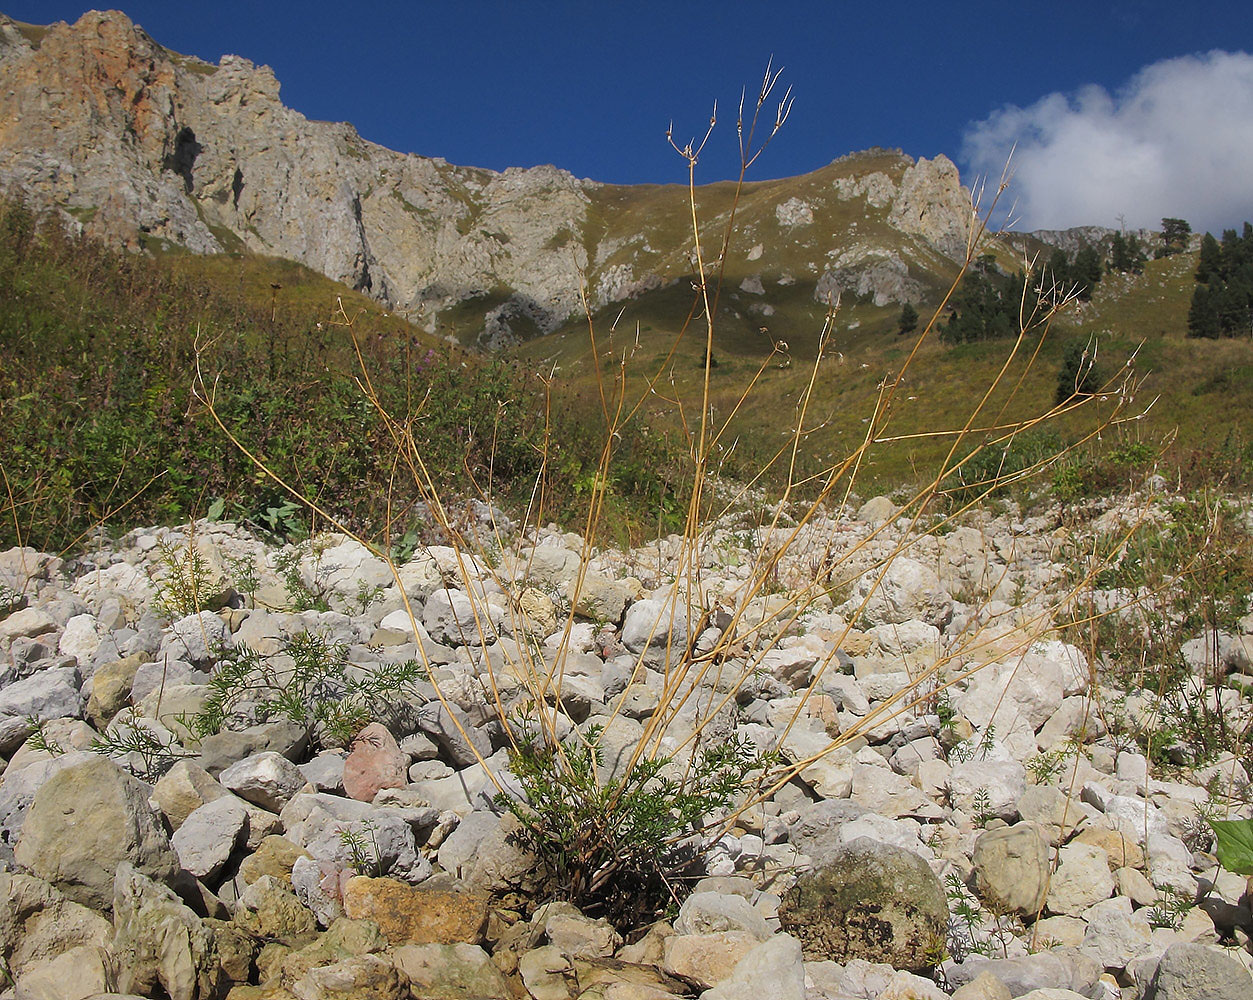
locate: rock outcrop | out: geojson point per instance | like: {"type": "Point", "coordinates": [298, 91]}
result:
{"type": "Point", "coordinates": [144, 147]}
{"type": "Point", "coordinates": [932, 204]}
{"type": "Point", "coordinates": [141, 145]}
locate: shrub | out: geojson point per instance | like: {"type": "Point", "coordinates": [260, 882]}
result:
{"type": "Point", "coordinates": [309, 680]}
{"type": "Point", "coordinates": [616, 846]}
{"type": "Point", "coordinates": [1072, 481]}
{"type": "Point", "coordinates": [187, 581]}
{"type": "Point", "coordinates": [145, 750]}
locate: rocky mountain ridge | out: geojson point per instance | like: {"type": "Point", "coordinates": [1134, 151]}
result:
{"type": "Point", "coordinates": [145, 147]}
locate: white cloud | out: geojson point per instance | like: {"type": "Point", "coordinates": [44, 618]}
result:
{"type": "Point", "coordinates": [1176, 141]}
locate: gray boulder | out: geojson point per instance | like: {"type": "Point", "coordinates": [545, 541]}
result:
{"type": "Point", "coordinates": [84, 822]}
{"type": "Point", "coordinates": [716, 912]}
{"type": "Point", "coordinates": [451, 616]}
{"type": "Point", "coordinates": [868, 900]}
{"type": "Point", "coordinates": [267, 779]}
{"type": "Point", "coordinates": [325, 772]}
{"type": "Point", "coordinates": [500, 864]}
{"type": "Point", "coordinates": [1082, 879]}
{"type": "Point", "coordinates": [456, 734]}
{"type": "Point", "coordinates": [458, 849]}
{"type": "Point", "coordinates": [992, 786]}
{"type": "Point", "coordinates": [1115, 934]}
{"type": "Point", "coordinates": [27, 623]}
{"type": "Point", "coordinates": [380, 844]}
{"type": "Point", "coordinates": [450, 972]}
{"type": "Point", "coordinates": [343, 566]}
{"type": "Point", "coordinates": [1197, 972]}
{"type": "Point", "coordinates": [160, 942]}
{"type": "Point", "coordinates": [209, 835]}
{"type": "Point", "coordinates": [198, 639]}
{"type": "Point", "coordinates": [656, 630]}
{"type": "Point", "coordinates": [162, 675]}
{"type": "Point", "coordinates": [908, 591]}
{"type": "Point", "coordinates": [47, 694]}
{"type": "Point", "coordinates": [308, 815]}
{"type": "Point", "coordinates": [81, 971]}
{"type": "Point", "coordinates": [14, 731]}
{"type": "Point", "coordinates": [17, 792]}
{"type": "Point", "coordinates": [1011, 867]}
{"type": "Point", "coordinates": [774, 970]}
{"type": "Point", "coordinates": [1060, 968]}
{"type": "Point", "coordinates": [221, 750]}
{"type": "Point", "coordinates": [817, 831]}
{"type": "Point", "coordinates": [37, 923]}
{"type": "Point", "coordinates": [318, 889]}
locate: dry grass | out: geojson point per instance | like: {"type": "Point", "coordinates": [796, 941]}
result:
{"type": "Point", "coordinates": [710, 674]}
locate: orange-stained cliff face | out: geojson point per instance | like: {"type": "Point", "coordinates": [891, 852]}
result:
{"type": "Point", "coordinates": [110, 68]}
{"type": "Point", "coordinates": [103, 69]}
{"type": "Point", "coordinates": [88, 120]}
{"type": "Point", "coordinates": [139, 144]}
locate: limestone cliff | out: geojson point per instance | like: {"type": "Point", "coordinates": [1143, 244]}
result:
{"type": "Point", "coordinates": [142, 146]}
{"type": "Point", "coordinates": [931, 203]}
{"type": "Point", "coordinates": [138, 144]}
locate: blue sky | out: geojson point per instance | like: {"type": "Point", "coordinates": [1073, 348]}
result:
{"type": "Point", "coordinates": [592, 86]}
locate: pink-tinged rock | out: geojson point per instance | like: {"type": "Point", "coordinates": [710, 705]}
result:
{"type": "Point", "coordinates": [376, 761]}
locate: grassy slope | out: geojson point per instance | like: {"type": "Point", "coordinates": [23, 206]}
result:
{"type": "Point", "coordinates": [97, 356]}
{"type": "Point", "coordinates": [1203, 389]}
{"type": "Point", "coordinates": [1194, 382]}
{"type": "Point", "coordinates": [94, 307]}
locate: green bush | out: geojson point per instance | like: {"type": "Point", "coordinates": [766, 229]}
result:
{"type": "Point", "coordinates": [621, 847]}
{"type": "Point", "coordinates": [1071, 481]}
{"type": "Point", "coordinates": [309, 681]}
{"type": "Point", "coordinates": [187, 583]}
{"type": "Point", "coordinates": [1132, 455]}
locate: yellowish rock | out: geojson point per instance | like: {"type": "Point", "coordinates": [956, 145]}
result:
{"type": "Point", "coordinates": [409, 914]}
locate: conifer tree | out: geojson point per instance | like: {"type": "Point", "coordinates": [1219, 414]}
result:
{"type": "Point", "coordinates": [1086, 271]}
{"type": "Point", "coordinates": [1202, 315]}
{"type": "Point", "coordinates": [1136, 256]}
{"type": "Point", "coordinates": [1126, 254]}
{"type": "Point", "coordinates": [1118, 259]}
{"type": "Point", "coordinates": [1058, 276]}
{"type": "Point", "coordinates": [1078, 375]}
{"type": "Point", "coordinates": [1175, 233]}
{"type": "Point", "coordinates": [1222, 302]}
{"type": "Point", "coordinates": [909, 319]}
{"type": "Point", "coordinates": [1209, 267]}
{"type": "Point", "coordinates": [987, 307]}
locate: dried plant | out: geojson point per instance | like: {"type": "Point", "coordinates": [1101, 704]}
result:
{"type": "Point", "coordinates": [707, 675]}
